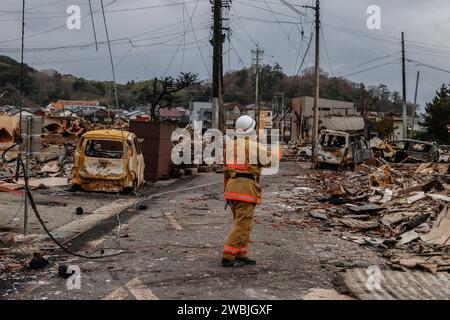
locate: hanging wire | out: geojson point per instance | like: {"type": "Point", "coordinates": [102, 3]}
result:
{"type": "Point", "coordinates": [93, 25]}
{"type": "Point", "coordinates": [110, 54]}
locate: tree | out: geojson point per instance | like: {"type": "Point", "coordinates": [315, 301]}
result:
{"type": "Point", "coordinates": [437, 115]}
{"type": "Point", "coordinates": [269, 79]}
{"type": "Point", "coordinates": [161, 92]}
{"type": "Point", "coordinates": [385, 127]}
{"type": "Point", "coordinates": [366, 100]}
{"type": "Point", "coordinates": [80, 84]}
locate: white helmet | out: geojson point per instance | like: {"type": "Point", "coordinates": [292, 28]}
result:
{"type": "Point", "coordinates": [245, 125]}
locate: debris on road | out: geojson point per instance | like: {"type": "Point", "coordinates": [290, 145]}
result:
{"type": "Point", "coordinates": [402, 210]}
{"type": "Point", "coordinates": [37, 262]}
{"type": "Point", "coordinates": [398, 285]}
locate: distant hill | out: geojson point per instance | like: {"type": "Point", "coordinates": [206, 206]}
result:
{"type": "Point", "coordinates": [42, 87]}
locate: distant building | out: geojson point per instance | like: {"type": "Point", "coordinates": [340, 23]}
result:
{"type": "Point", "coordinates": [6, 109]}
{"type": "Point", "coordinates": [39, 113]}
{"type": "Point", "coordinates": [232, 112]}
{"type": "Point", "coordinates": [333, 115]}
{"type": "Point", "coordinates": [265, 115]}
{"type": "Point", "coordinates": [201, 111]}
{"type": "Point", "coordinates": [25, 113]}
{"type": "Point", "coordinates": [97, 116]}
{"type": "Point", "coordinates": [170, 114]}
{"type": "Point", "coordinates": [184, 116]}
{"type": "Point", "coordinates": [74, 105]}
{"type": "Point", "coordinates": [327, 107]}
{"type": "Point", "coordinates": [133, 115]}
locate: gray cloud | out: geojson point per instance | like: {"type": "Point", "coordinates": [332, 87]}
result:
{"type": "Point", "coordinates": [348, 41]}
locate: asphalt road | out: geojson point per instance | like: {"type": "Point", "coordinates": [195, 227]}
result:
{"type": "Point", "coordinates": [172, 250]}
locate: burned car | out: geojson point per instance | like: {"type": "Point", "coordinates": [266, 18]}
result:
{"type": "Point", "coordinates": [108, 160]}
{"type": "Point", "coordinates": [415, 150]}
{"type": "Point", "coordinates": [341, 149]}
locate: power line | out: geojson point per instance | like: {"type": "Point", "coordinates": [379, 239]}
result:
{"type": "Point", "coordinates": [125, 40]}
{"type": "Point", "coordinates": [363, 23]}
{"type": "Point", "coordinates": [198, 44]}
{"type": "Point", "coordinates": [183, 40]}
{"type": "Point", "coordinates": [243, 27]}
{"type": "Point", "coordinates": [303, 60]}
{"type": "Point", "coordinates": [120, 10]}
{"type": "Point", "coordinates": [270, 21]}
{"type": "Point", "coordinates": [306, 52]}
{"type": "Point", "coordinates": [266, 10]}
{"type": "Point", "coordinates": [371, 68]}
{"type": "Point", "coordinates": [110, 55]}
{"type": "Point", "coordinates": [365, 63]}
{"type": "Point", "coordinates": [427, 65]}
{"type": "Point", "coordinates": [93, 25]}
{"type": "Point", "coordinates": [32, 8]}
{"type": "Point", "coordinates": [49, 30]}
{"type": "Point", "coordinates": [326, 51]}
{"type": "Point", "coordinates": [102, 57]}
{"type": "Point", "coordinates": [237, 55]}
{"type": "Point", "coordinates": [284, 31]}
{"type": "Point", "coordinates": [184, 37]}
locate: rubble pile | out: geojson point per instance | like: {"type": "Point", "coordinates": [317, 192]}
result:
{"type": "Point", "coordinates": [199, 163]}
{"type": "Point", "coordinates": [295, 151]}
{"type": "Point", "coordinates": [54, 160]}
{"type": "Point", "coordinates": [382, 149]}
{"type": "Point", "coordinates": [402, 210]}
{"type": "Point", "coordinates": [444, 153]}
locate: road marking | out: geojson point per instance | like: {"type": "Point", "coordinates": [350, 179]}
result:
{"type": "Point", "coordinates": [173, 222]}
{"type": "Point", "coordinates": [140, 291]}
{"type": "Point", "coordinates": [118, 294]}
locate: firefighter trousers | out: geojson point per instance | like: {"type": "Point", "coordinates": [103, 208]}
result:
{"type": "Point", "coordinates": [239, 236]}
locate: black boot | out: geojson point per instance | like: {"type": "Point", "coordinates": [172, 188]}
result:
{"type": "Point", "coordinates": [232, 263]}
{"type": "Point", "coordinates": [246, 261]}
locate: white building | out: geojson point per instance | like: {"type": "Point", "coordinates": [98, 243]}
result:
{"type": "Point", "coordinates": [201, 111]}
{"type": "Point", "coordinates": [333, 115]}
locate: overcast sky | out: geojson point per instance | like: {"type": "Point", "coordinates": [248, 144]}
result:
{"type": "Point", "coordinates": [164, 41]}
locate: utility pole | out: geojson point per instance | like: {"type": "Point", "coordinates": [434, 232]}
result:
{"type": "Point", "coordinates": [315, 126]}
{"type": "Point", "coordinates": [28, 122]}
{"type": "Point", "coordinates": [415, 106]}
{"type": "Point", "coordinates": [279, 111]}
{"type": "Point", "coordinates": [405, 126]}
{"type": "Point", "coordinates": [217, 81]}
{"type": "Point", "coordinates": [317, 74]}
{"type": "Point", "coordinates": [257, 55]}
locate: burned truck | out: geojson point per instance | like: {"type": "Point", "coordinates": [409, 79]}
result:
{"type": "Point", "coordinates": [341, 150]}
{"type": "Point", "coordinates": [108, 160]}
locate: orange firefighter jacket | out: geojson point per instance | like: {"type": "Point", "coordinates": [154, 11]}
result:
{"type": "Point", "coordinates": [249, 163]}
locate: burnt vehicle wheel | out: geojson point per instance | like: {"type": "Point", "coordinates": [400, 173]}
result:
{"type": "Point", "coordinates": [132, 189]}
{"type": "Point", "coordinates": [75, 187]}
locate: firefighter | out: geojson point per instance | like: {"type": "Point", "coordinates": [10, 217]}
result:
{"type": "Point", "coordinates": [242, 171]}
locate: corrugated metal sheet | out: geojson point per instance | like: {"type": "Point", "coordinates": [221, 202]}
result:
{"type": "Point", "coordinates": [399, 285]}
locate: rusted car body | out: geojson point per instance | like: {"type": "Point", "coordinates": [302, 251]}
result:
{"type": "Point", "coordinates": [341, 149]}
{"type": "Point", "coordinates": [417, 150]}
{"type": "Point", "coordinates": [108, 160]}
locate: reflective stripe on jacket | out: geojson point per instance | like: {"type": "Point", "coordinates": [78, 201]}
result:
{"type": "Point", "coordinates": [241, 188]}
